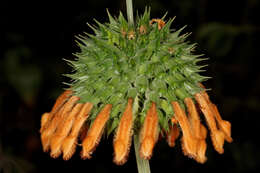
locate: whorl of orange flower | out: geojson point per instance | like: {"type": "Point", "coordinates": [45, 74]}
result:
{"type": "Point", "coordinates": [189, 143]}
{"type": "Point", "coordinates": [160, 22]}
{"type": "Point", "coordinates": [94, 134]}
{"type": "Point", "coordinates": [57, 119]}
{"type": "Point", "coordinates": [68, 147]}
{"type": "Point", "coordinates": [63, 130]}
{"type": "Point", "coordinates": [149, 132]}
{"type": "Point", "coordinates": [217, 136]}
{"type": "Point", "coordinates": [173, 134]}
{"type": "Point", "coordinates": [123, 136]}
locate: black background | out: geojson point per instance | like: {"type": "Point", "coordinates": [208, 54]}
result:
{"type": "Point", "coordinates": [36, 36]}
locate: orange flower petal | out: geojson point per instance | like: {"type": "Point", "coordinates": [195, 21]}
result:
{"type": "Point", "coordinates": [189, 143]}
{"type": "Point", "coordinates": [160, 22]}
{"type": "Point", "coordinates": [173, 135]}
{"type": "Point", "coordinates": [225, 126]}
{"type": "Point", "coordinates": [63, 130]}
{"type": "Point", "coordinates": [47, 133]}
{"type": "Point", "coordinates": [61, 100]}
{"type": "Point", "coordinates": [149, 133]}
{"type": "Point", "coordinates": [68, 147]}
{"type": "Point", "coordinates": [203, 132]}
{"type": "Point", "coordinates": [218, 139]}
{"type": "Point", "coordinates": [57, 119]}
{"type": "Point", "coordinates": [58, 104]}
{"type": "Point", "coordinates": [193, 117]}
{"type": "Point", "coordinates": [201, 151]}
{"type": "Point", "coordinates": [83, 132]}
{"type": "Point", "coordinates": [95, 132]}
{"type": "Point", "coordinates": [44, 120]}
{"type": "Point", "coordinates": [217, 136]}
{"type": "Point", "coordinates": [199, 131]}
{"type": "Point", "coordinates": [122, 140]}
{"type": "Point", "coordinates": [81, 118]}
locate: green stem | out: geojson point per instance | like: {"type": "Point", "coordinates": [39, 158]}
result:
{"type": "Point", "coordinates": [142, 164]}
{"type": "Point", "coordinates": [129, 8]}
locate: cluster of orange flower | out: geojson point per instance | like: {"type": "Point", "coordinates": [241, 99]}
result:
{"type": "Point", "coordinates": [194, 133]}
{"type": "Point", "coordinates": [61, 127]}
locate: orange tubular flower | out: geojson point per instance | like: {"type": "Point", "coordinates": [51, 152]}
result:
{"type": "Point", "coordinates": [149, 133]}
{"type": "Point", "coordinates": [199, 131]}
{"type": "Point", "coordinates": [123, 136]}
{"type": "Point", "coordinates": [95, 132]}
{"type": "Point", "coordinates": [189, 143]}
{"type": "Point", "coordinates": [63, 130]}
{"type": "Point", "coordinates": [68, 147]}
{"type": "Point", "coordinates": [217, 136]}
{"type": "Point", "coordinates": [57, 119]}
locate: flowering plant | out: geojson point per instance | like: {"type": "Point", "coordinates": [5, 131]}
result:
{"type": "Point", "coordinates": [134, 78]}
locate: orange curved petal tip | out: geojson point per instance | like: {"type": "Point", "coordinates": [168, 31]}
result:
{"type": "Point", "coordinates": [189, 147]}
{"type": "Point", "coordinates": [55, 146]}
{"type": "Point", "coordinates": [218, 139]}
{"type": "Point", "coordinates": [121, 151]}
{"type": "Point", "coordinates": [201, 152]}
{"type": "Point", "coordinates": [69, 147]}
{"type": "Point", "coordinates": [147, 146]}
{"type": "Point", "coordinates": [224, 125]}
{"type": "Point", "coordinates": [88, 146]}
{"type": "Point", "coordinates": [45, 139]}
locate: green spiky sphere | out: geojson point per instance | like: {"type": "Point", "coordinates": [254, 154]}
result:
{"type": "Point", "coordinates": [139, 61]}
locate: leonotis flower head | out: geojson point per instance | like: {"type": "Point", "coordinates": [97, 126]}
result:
{"type": "Point", "coordinates": [130, 80]}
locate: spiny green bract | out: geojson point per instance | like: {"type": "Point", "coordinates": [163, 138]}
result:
{"type": "Point", "coordinates": [138, 61]}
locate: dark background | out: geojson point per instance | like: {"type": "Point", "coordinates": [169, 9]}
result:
{"type": "Point", "coordinates": [35, 37]}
